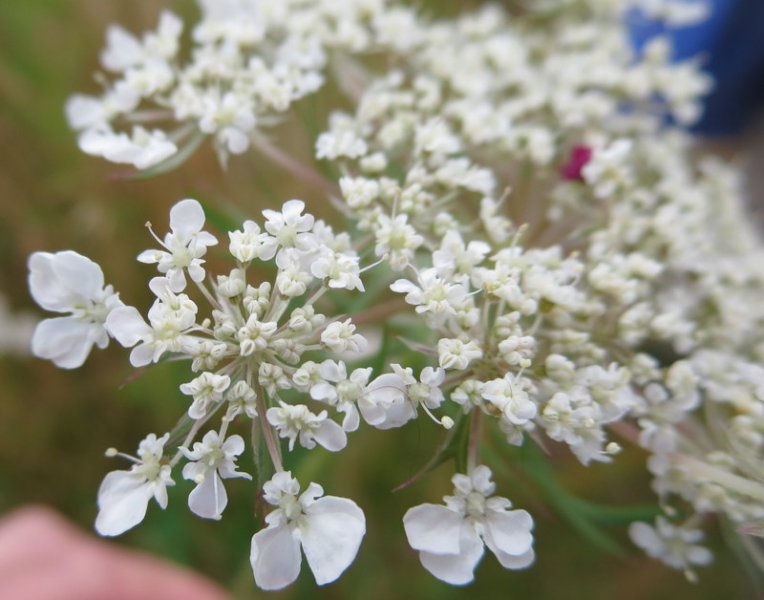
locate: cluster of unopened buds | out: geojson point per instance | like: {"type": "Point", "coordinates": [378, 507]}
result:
{"type": "Point", "coordinates": [570, 271]}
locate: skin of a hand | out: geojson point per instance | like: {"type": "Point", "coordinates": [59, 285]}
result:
{"type": "Point", "coordinates": [44, 557]}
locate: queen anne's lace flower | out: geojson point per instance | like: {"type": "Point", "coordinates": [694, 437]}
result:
{"type": "Point", "coordinates": [213, 459]}
{"type": "Point", "coordinates": [328, 529]}
{"type": "Point", "coordinates": [171, 317]}
{"type": "Point", "coordinates": [67, 282]}
{"type": "Point", "coordinates": [567, 267]}
{"type": "Point", "coordinates": [294, 421]}
{"type": "Point", "coordinates": [450, 538]}
{"type": "Point", "coordinates": [184, 246]}
{"type": "Point", "coordinates": [124, 495]}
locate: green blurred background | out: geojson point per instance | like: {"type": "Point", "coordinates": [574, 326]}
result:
{"type": "Point", "coordinates": [56, 424]}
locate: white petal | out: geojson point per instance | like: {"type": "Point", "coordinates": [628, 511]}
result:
{"type": "Point", "coordinates": [142, 355]}
{"type": "Point", "coordinates": [79, 273]}
{"type": "Point", "coordinates": [236, 140]}
{"type": "Point", "coordinates": [404, 286]}
{"type": "Point", "coordinates": [103, 142]}
{"type": "Point", "coordinates": [65, 340]}
{"type": "Point", "coordinates": [177, 280]}
{"type": "Point", "coordinates": [645, 536]}
{"type": "Point", "coordinates": [332, 371]}
{"type": "Point", "coordinates": [150, 257]}
{"type": "Point", "coordinates": [59, 281]}
{"type": "Point", "coordinates": [372, 413]}
{"type": "Point", "coordinates": [456, 569]}
{"type": "Point", "coordinates": [84, 111]}
{"type": "Point", "coordinates": [127, 326]}
{"type": "Point", "coordinates": [510, 561]}
{"type": "Point", "coordinates": [387, 388]}
{"type": "Point", "coordinates": [352, 418]}
{"type": "Point", "coordinates": [433, 528]}
{"type": "Point", "coordinates": [196, 271]}
{"type": "Point", "coordinates": [187, 217]}
{"type": "Point", "coordinates": [331, 436]}
{"type": "Point", "coordinates": [152, 153]}
{"type": "Point", "coordinates": [275, 557]}
{"type": "Point", "coordinates": [509, 532]}
{"type": "Point", "coordinates": [159, 286]}
{"type": "Point", "coordinates": [122, 51]}
{"type": "Point", "coordinates": [268, 248]}
{"type": "Point", "coordinates": [234, 445]}
{"type": "Point", "coordinates": [323, 391]}
{"type": "Point", "coordinates": [698, 555]}
{"type": "Point", "coordinates": [397, 415]}
{"type": "Point", "coordinates": [208, 499]}
{"type": "Point", "coordinates": [331, 536]}
{"type": "Point", "coordinates": [292, 210]}
{"type": "Point", "coordinates": [122, 501]}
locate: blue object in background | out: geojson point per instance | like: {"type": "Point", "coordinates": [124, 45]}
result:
{"type": "Point", "coordinates": [730, 44]}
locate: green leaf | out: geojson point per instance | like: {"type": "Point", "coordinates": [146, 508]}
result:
{"type": "Point", "coordinates": [582, 515]}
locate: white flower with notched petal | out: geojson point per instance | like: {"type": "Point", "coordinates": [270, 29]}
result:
{"type": "Point", "coordinates": [214, 460]}
{"type": "Point", "coordinates": [171, 317]}
{"type": "Point", "coordinates": [425, 393]}
{"type": "Point", "coordinates": [124, 495]}
{"type": "Point", "coordinates": [329, 529]}
{"type": "Point", "coordinates": [184, 245]}
{"type": "Point", "coordinates": [290, 228]}
{"type": "Point", "coordinates": [379, 401]}
{"type": "Point", "coordinates": [67, 282]}
{"type": "Point", "coordinates": [293, 421]}
{"type": "Point", "coordinates": [450, 538]}
{"type": "Point", "coordinates": [207, 391]}
{"type": "Point", "coordinates": [341, 337]}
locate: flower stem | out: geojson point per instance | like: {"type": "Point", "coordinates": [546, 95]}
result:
{"type": "Point", "coordinates": [271, 443]}
{"type": "Point", "coordinates": [380, 312]}
{"type": "Point", "coordinates": [473, 445]}
{"type": "Point", "coordinates": [295, 167]}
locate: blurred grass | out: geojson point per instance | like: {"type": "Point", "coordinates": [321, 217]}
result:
{"type": "Point", "coordinates": [56, 424]}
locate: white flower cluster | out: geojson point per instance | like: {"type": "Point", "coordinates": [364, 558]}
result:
{"type": "Point", "coordinates": [247, 355]}
{"type": "Point", "coordinates": [568, 266]}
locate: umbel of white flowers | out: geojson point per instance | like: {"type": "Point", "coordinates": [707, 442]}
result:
{"type": "Point", "coordinates": [248, 352]}
{"type": "Point", "coordinates": [570, 269]}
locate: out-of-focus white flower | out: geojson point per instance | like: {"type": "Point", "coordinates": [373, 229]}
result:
{"type": "Point", "coordinates": [142, 149]}
{"type": "Point", "coordinates": [674, 545]}
{"type": "Point", "coordinates": [453, 353]}
{"type": "Point", "coordinates": [396, 240]}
